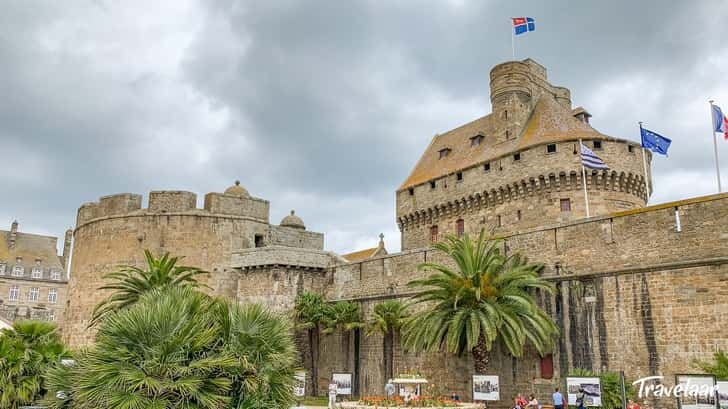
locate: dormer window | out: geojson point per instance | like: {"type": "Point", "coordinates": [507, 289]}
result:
{"type": "Point", "coordinates": [551, 148]}
{"type": "Point", "coordinates": [476, 140]}
{"type": "Point", "coordinates": [55, 275]}
{"type": "Point", "coordinates": [459, 176]}
{"type": "Point", "coordinates": [411, 191]}
{"type": "Point", "coordinates": [444, 152]}
{"type": "Point", "coordinates": [36, 272]}
{"type": "Point", "coordinates": [18, 271]}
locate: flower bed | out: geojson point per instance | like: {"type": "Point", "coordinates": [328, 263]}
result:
{"type": "Point", "coordinates": [398, 402]}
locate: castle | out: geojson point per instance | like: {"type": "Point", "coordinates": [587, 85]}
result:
{"type": "Point", "coordinates": [640, 289]}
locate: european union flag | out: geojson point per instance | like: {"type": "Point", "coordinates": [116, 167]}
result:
{"type": "Point", "coordinates": [654, 141]}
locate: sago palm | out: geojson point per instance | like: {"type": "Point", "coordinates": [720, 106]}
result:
{"type": "Point", "coordinates": [26, 350]}
{"type": "Point", "coordinates": [130, 282]}
{"type": "Point", "coordinates": [388, 317]}
{"type": "Point", "coordinates": [346, 317]}
{"type": "Point", "coordinates": [486, 297]}
{"type": "Point", "coordinates": [312, 312]}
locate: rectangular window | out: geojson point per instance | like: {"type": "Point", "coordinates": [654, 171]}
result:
{"type": "Point", "coordinates": [518, 215]}
{"type": "Point", "coordinates": [500, 221]}
{"type": "Point", "coordinates": [36, 272]}
{"type": "Point", "coordinates": [433, 184]}
{"type": "Point", "coordinates": [18, 271]}
{"type": "Point", "coordinates": [460, 227]}
{"type": "Point", "coordinates": [597, 144]}
{"type": "Point", "coordinates": [2, 269]}
{"type": "Point", "coordinates": [55, 275]}
{"type": "Point", "coordinates": [565, 205]}
{"type": "Point", "coordinates": [14, 293]}
{"type": "Point", "coordinates": [433, 234]}
{"type": "Point", "coordinates": [630, 148]}
{"type": "Point", "coordinates": [486, 167]}
{"type": "Point", "coordinates": [52, 295]}
{"type": "Point", "coordinates": [517, 156]}
{"type": "Point", "coordinates": [476, 140]}
{"type": "Point", "coordinates": [33, 295]}
{"type": "Point", "coordinates": [459, 176]}
{"type": "Point", "coordinates": [258, 240]}
{"type": "Point", "coordinates": [411, 191]}
{"type": "Point", "coordinates": [551, 148]}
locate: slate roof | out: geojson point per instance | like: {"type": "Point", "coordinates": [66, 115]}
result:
{"type": "Point", "coordinates": [549, 121]}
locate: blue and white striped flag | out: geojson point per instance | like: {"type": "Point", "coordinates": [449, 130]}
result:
{"type": "Point", "coordinates": [591, 160]}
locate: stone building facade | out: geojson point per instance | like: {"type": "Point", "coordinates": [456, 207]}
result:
{"type": "Point", "coordinates": [32, 275]}
{"type": "Point", "coordinates": [640, 289]}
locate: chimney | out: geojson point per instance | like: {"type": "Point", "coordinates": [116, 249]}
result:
{"type": "Point", "coordinates": [67, 248]}
{"type": "Point", "coordinates": [13, 233]}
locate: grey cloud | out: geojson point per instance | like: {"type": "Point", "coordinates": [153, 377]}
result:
{"type": "Point", "coordinates": [323, 106]}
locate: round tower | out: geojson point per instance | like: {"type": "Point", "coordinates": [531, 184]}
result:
{"type": "Point", "coordinates": [518, 167]}
{"type": "Point", "coordinates": [117, 229]}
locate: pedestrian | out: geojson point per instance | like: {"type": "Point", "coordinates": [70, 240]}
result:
{"type": "Point", "coordinates": [520, 402]}
{"type": "Point", "coordinates": [332, 395]}
{"type": "Point", "coordinates": [558, 399]}
{"type": "Point", "coordinates": [532, 402]}
{"type": "Point", "coordinates": [389, 389]}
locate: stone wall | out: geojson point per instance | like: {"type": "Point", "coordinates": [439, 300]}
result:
{"type": "Point", "coordinates": [117, 231]}
{"type": "Point", "coordinates": [294, 237]}
{"type": "Point", "coordinates": [636, 293]}
{"type": "Point", "coordinates": [525, 193]}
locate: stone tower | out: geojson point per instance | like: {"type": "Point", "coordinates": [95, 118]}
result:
{"type": "Point", "coordinates": [518, 167]}
{"type": "Point", "coordinates": [117, 229]}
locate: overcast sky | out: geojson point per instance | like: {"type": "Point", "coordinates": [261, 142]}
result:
{"type": "Point", "coordinates": [323, 107]}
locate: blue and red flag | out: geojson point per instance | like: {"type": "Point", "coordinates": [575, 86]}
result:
{"type": "Point", "coordinates": [720, 121]}
{"type": "Point", "coordinates": [523, 25]}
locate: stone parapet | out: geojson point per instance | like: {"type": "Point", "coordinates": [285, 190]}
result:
{"type": "Point", "coordinates": [283, 256]}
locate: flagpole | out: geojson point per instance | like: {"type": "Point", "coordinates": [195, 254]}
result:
{"type": "Point", "coordinates": [513, 43]}
{"type": "Point", "coordinates": [583, 179]}
{"type": "Point", "coordinates": [715, 144]}
{"type": "Point", "coordinates": [644, 166]}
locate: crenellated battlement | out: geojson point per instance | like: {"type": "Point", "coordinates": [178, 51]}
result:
{"type": "Point", "coordinates": [173, 202]}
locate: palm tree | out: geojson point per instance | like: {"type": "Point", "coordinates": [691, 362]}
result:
{"type": "Point", "coordinates": [312, 313]}
{"type": "Point", "coordinates": [179, 348]}
{"type": "Point", "coordinates": [130, 282]}
{"type": "Point", "coordinates": [164, 351]}
{"type": "Point", "coordinates": [26, 350]}
{"type": "Point", "coordinates": [387, 319]}
{"type": "Point", "coordinates": [344, 316]}
{"type": "Point", "coordinates": [264, 340]}
{"type": "Point", "coordinates": [487, 297]}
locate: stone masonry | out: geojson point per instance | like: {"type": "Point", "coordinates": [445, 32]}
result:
{"type": "Point", "coordinates": [640, 289]}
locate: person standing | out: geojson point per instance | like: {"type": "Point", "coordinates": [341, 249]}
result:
{"type": "Point", "coordinates": [558, 399]}
{"type": "Point", "coordinates": [389, 389]}
{"type": "Point", "coordinates": [332, 395]}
